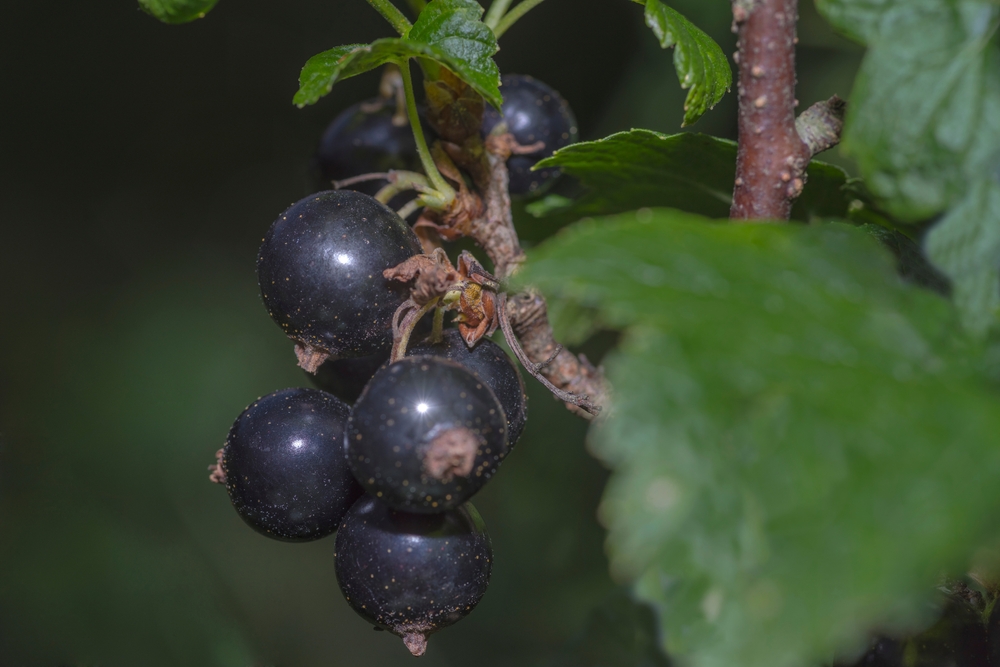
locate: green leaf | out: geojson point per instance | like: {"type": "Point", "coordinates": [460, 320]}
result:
{"type": "Point", "coordinates": [965, 244]}
{"type": "Point", "coordinates": [447, 32]}
{"type": "Point", "coordinates": [177, 11]}
{"type": "Point", "coordinates": [862, 19]}
{"type": "Point", "coordinates": [924, 127]}
{"type": "Point", "coordinates": [700, 63]}
{"type": "Point", "coordinates": [799, 445]}
{"type": "Point", "coordinates": [692, 172]}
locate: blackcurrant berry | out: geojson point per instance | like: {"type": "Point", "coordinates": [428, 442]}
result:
{"type": "Point", "coordinates": [346, 378]}
{"type": "Point", "coordinates": [320, 272]}
{"type": "Point", "coordinates": [425, 435]}
{"type": "Point", "coordinates": [412, 574]}
{"type": "Point", "coordinates": [490, 363]}
{"type": "Point", "coordinates": [367, 137]}
{"type": "Point", "coordinates": [533, 112]}
{"type": "Point", "coordinates": [285, 467]}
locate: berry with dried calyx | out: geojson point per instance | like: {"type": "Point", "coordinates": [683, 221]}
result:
{"type": "Point", "coordinates": [426, 434]}
{"type": "Point", "coordinates": [490, 363]}
{"type": "Point", "coordinates": [320, 274]}
{"type": "Point", "coordinates": [412, 574]}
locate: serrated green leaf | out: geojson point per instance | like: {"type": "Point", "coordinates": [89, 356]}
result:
{"type": "Point", "coordinates": [447, 32]}
{"type": "Point", "coordinates": [924, 126]}
{"type": "Point", "coordinates": [798, 442]}
{"type": "Point", "coordinates": [701, 65]}
{"type": "Point", "coordinates": [691, 172]}
{"type": "Point", "coordinates": [177, 11]}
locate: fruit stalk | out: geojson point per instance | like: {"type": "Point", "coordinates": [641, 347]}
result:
{"type": "Point", "coordinates": [392, 14]}
{"type": "Point", "coordinates": [447, 194]}
{"type": "Point", "coordinates": [496, 12]}
{"type": "Point", "coordinates": [511, 17]}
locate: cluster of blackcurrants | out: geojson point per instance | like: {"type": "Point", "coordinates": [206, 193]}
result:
{"type": "Point", "coordinates": [385, 454]}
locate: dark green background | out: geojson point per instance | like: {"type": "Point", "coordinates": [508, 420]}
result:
{"type": "Point", "coordinates": [139, 166]}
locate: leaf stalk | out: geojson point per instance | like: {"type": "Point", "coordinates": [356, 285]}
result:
{"type": "Point", "coordinates": [513, 15]}
{"type": "Point", "coordinates": [497, 9]}
{"type": "Point", "coordinates": [392, 14]}
{"type": "Point", "coordinates": [444, 194]}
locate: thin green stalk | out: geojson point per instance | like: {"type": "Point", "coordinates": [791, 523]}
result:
{"type": "Point", "coordinates": [496, 13]}
{"type": "Point", "coordinates": [447, 194]}
{"type": "Point", "coordinates": [437, 332]}
{"type": "Point", "coordinates": [513, 15]}
{"type": "Point", "coordinates": [417, 5]}
{"type": "Point", "coordinates": [391, 14]}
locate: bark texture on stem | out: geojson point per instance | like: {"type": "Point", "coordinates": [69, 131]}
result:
{"type": "Point", "coordinates": [772, 158]}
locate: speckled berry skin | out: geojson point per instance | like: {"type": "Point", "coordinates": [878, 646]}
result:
{"type": "Point", "coordinates": [363, 139]}
{"type": "Point", "coordinates": [412, 411]}
{"type": "Point", "coordinates": [412, 574]}
{"type": "Point", "coordinates": [320, 272]}
{"type": "Point", "coordinates": [533, 112]}
{"type": "Point", "coordinates": [490, 363]}
{"type": "Point", "coordinates": [285, 467]}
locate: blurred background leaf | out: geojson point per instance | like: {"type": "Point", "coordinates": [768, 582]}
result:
{"type": "Point", "coordinates": [801, 443]}
{"type": "Point", "coordinates": [177, 11]}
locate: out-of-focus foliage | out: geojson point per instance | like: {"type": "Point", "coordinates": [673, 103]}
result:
{"type": "Point", "coordinates": [924, 125]}
{"type": "Point", "coordinates": [800, 442]}
{"type": "Point", "coordinates": [177, 11]}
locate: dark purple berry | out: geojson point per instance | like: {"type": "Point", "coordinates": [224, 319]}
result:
{"type": "Point", "coordinates": [286, 471]}
{"type": "Point", "coordinates": [320, 272]}
{"type": "Point", "coordinates": [490, 363]}
{"type": "Point", "coordinates": [365, 138]}
{"type": "Point", "coordinates": [425, 435]}
{"type": "Point", "coordinates": [412, 574]}
{"type": "Point", "coordinates": [533, 112]}
{"type": "Point", "coordinates": [346, 378]}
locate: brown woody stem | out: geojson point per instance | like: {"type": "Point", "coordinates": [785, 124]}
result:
{"type": "Point", "coordinates": [772, 158]}
{"type": "Point", "coordinates": [572, 379]}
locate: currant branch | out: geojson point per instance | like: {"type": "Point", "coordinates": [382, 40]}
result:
{"type": "Point", "coordinates": [774, 147]}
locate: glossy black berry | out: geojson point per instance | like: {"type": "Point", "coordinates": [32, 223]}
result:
{"type": "Point", "coordinates": [490, 363]}
{"type": "Point", "coordinates": [533, 112]}
{"type": "Point", "coordinates": [425, 435]}
{"type": "Point", "coordinates": [285, 467]}
{"type": "Point", "coordinates": [367, 137]}
{"type": "Point", "coordinates": [412, 574]}
{"type": "Point", "coordinates": [320, 272]}
{"type": "Point", "coordinates": [346, 378]}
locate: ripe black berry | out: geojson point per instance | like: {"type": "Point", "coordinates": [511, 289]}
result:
{"type": "Point", "coordinates": [320, 272]}
{"type": "Point", "coordinates": [425, 435]}
{"type": "Point", "coordinates": [285, 467]}
{"type": "Point", "coordinates": [346, 378]}
{"type": "Point", "coordinates": [412, 574]}
{"type": "Point", "coordinates": [533, 112]}
{"type": "Point", "coordinates": [490, 363]}
{"type": "Point", "coordinates": [367, 137]}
